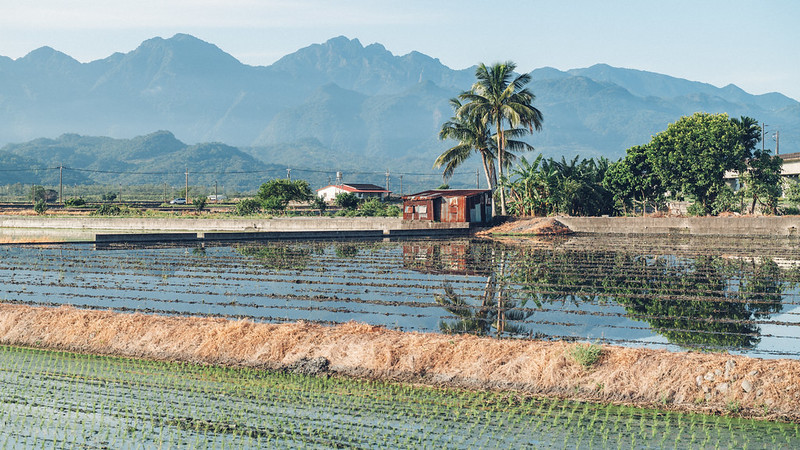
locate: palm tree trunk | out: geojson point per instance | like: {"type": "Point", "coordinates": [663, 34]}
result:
{"type": "Point", "coordinates": [488, 170]}
{"type": "Point", "coordinates": [500, 160]}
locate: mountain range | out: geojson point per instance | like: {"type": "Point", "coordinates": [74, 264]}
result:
{"type": "Point", "coordinates": [333, 106]}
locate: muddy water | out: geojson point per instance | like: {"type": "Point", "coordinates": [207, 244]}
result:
{"type": "Point", "coordinates": [675, 293]}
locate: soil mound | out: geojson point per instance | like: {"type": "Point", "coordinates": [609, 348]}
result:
{"type": "Point", "coordinates": [699, 382]}
{"type": "Point", "coordinates": [541, 226]}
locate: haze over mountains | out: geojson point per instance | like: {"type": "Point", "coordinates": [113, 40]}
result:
{"type": "Point", "coordinates": [336, 105]}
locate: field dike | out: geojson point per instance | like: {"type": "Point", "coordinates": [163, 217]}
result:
{"type": "Point", "coordinates": [700, 382]}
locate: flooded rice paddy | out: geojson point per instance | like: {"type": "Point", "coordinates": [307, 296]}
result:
{"type": "Point", "coordinates": [717, 294]}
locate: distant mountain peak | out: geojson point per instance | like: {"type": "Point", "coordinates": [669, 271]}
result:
{"type": "Point", "coordinates": [47, 55]}
{"type": "Point", "coordinates": [182, 53]}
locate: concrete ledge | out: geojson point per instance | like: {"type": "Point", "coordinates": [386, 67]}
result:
{"type": "Point", "coordinates": [277, 235]}
{"type": "Point", "coordinates": [146, 237]}
{"type": "Point", "coordinates": [697, 226]}
{"type": "Point", "coordinates": [429, 232]}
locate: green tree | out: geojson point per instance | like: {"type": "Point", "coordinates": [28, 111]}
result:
{"type": "Point", "coordinates": [473, 135]}
{"type": "Point", "coordinates": [276, 194]}
{"type": "Point", "coordinates": [792, 192]}
{"type": "Point", "coordinates": [199, 204]}
{"type": "Point", "coordinates": [40, 193]}
{"type": "Point", "coordinates": [347, 200]}
{"type": "Point", "coordinates": [546, 186]}
{"type": "Point", "coordinates": [247, 207]}
{"type": "Point", "coordinates": [692, 155]}
{"type": "Point", "coordinates": [633, 179]}
{"type": "Point", "coordinates": [319, 203]}
{"type": "Point", "coordinates": [762, 180]}
{"type": "Point", "coordinates": [499, 97]}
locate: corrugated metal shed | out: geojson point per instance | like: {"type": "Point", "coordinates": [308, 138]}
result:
{"type": "Point", "coordinates": [449, 205]}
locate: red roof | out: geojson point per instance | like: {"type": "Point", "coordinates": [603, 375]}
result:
{"type": "Point", "coordinates": [436, 193]}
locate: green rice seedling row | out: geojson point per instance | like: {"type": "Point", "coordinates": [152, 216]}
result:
{"type": "Point", "coordinates": [57, 399]}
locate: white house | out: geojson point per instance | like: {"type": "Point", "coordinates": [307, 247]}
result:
{"type": "Point", "coordinates": [361, 190]}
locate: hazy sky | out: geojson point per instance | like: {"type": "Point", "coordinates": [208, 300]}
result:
{"type": "Point", "coordinates": [753, 44]}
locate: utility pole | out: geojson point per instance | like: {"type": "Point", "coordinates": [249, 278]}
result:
{"type": "Point", "coordinates": [763, 134]}
{"type": "Point", "coordinates": [478, 178]}
{"type": "Point", "coordinates": [216, 196]}
{"type": "Point", "coordinates": [387, 179]}
{"type": "Point", "coordinates": [187, 185]}
{"type": "Point", "coordinates": [777, 142]}
{"type": "Point", "coordinates": [289, 174]}
{"type": "Point", "coordinates": [61, 184]}
{"type": "Point", "coordinates": [165, 192]}
{"type": "Point", "coordinates": [401, 185]}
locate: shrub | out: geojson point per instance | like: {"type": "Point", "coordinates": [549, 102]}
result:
{"type": "Point", "coordinates": [372, 207]}
{"type": "Point", "coordinates": [696, 209]}
{"type": "Point", "coordinates": [199, 204]}
{"type": "Point", "coordinates": [790, 211]}
{"type": "Point", "coordinates": [248, 206]}
{"type": "Point", "coordinates": [109, 197]}
{"type": "Point", "coordinates": [74, 202]}
{"type": "Point", "coordinates": [727, 201]}
{"type": "Point", "coordinates": [393, 211]}
{"type": "Point", "coordinates": [274, 203]}
{"type": "Point", "coordinates": [319, 203]}
{"type": "Point", "coordinates": [586, 354]}
{"type": "Point", "coordinates": [107, 210]}
{"type": "Point", "coordinates": [40, 207]}
{"type": "Point", "coordinates": [347, 200]}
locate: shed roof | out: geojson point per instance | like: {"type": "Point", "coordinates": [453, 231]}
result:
{"type": "Point", "coordinates": [436, 193]}
{"type": "Point", "coordinates": [357, 187]}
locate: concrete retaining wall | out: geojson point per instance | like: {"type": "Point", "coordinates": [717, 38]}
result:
{"type": "Point", "coordinates": [110, 230]}
{"type": "Point", "coordinates": [699, 226]}
{"type": "Point", "coordinates": [135, 224]}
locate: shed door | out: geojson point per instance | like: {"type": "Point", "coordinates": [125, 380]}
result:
{"type": "Point", "coordinates": [456, 209]}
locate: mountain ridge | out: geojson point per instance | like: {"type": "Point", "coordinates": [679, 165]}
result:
{"type": "Point", "coordinates": [380, 108]}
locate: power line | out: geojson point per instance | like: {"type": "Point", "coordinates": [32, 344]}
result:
{"type": "Point", "coordinates": [218, 173]}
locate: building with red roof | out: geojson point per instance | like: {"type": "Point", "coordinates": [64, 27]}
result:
{"type": "Point", "coordinates": [360, 190]}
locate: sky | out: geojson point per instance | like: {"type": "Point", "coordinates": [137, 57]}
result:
{"type": "Point", "coordinates": [752, 44]}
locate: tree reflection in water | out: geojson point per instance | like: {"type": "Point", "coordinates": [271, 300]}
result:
{"type": "Point", "coordinates": [706, 302]}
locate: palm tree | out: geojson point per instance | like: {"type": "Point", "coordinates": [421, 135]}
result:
{"type": "Point", "coordinates": [498, 97]}
{"type": "Point", "coordinates": [473, 135]}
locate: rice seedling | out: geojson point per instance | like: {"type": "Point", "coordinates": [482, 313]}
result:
{"type": "Point", "coordinates": [147, 403]}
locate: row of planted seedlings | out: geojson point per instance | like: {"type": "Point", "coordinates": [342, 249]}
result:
{"type": "Point", "coordinates": [56, 399]}
{"type": "Point", "coordinates": [721, 301]}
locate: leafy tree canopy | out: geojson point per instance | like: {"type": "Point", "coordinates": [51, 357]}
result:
{"type": "Point", "coordinates": [276, 194]}
{"type": "Point", "coordinates": [692, 155]}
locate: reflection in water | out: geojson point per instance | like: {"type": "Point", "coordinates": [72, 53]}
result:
{"type": "Point", "coordinates": [713, 294]}
{"type": "Point", "coordinates": [696, 301]}
{"type": "Point", "coordinates": [279, 256]}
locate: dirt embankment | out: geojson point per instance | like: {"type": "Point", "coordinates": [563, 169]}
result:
{"type": "Point", "coordinates": [538, 226]}
{"type": "Point", "coordinates": [716, 383]}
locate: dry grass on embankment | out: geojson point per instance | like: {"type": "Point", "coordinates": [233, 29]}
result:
{"type": "Point", "coordinates": [684, 381]}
